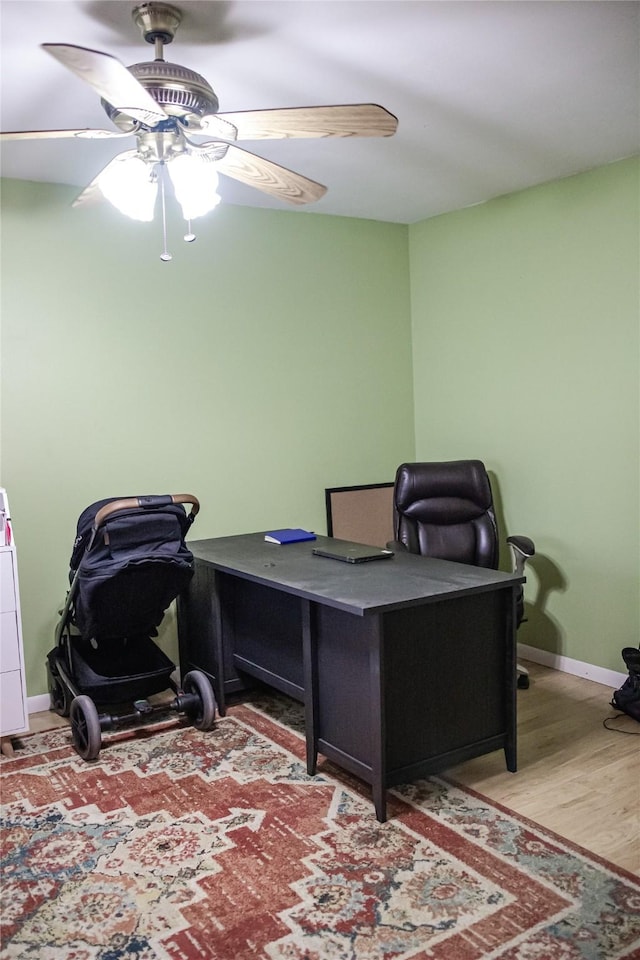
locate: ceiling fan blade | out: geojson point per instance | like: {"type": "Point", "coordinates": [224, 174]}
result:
{"type": "Point", "coordinates": [111, 79]}
{"type": "Point", "coordinates": [61, 134]}
{"type": "Point", "coordinates": [350, 120]}
{"type": "Point", "coordinates": [265, 175]}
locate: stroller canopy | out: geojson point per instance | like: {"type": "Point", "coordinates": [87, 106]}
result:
{"type": "Point", "coordinates": [127, 571]}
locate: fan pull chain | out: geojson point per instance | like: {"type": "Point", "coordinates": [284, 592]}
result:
{"type": "Point", "coordinates": [189, 236]}
{"type": "Point", "coordinates": [165, 255]}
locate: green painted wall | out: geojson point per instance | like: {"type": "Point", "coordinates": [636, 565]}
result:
{"type": "Point", "coordinates": [526, 355]}
{"type": "Point", "coordinates": [247, 371]}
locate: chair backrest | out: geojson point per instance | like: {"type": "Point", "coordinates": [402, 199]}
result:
{"type": "Point", "coordinates": [445, 510]}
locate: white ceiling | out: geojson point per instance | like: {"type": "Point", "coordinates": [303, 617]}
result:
{"type": "Point", "coordinates": [491, 97]}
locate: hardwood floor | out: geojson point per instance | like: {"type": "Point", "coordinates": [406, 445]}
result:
{"type": "Point", "coordinates": [574, 776]}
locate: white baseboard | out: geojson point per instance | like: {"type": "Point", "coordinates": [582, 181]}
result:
{"type": "Point", "coordinates": [36, 704]}
{"type": "Point", "coordinates": [610, 678]}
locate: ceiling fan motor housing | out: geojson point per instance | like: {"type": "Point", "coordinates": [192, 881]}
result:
{"type": "Point", "coordinates": [181, 92]}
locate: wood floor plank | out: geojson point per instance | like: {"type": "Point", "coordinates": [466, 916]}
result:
{"type": "Point", "coordinates": [574, 776]}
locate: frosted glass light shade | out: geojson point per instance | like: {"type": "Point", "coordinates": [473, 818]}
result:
{"type": "Point", "coordinates": [195, 182]}
{"type": "Point", "coordinates": [126, 183]}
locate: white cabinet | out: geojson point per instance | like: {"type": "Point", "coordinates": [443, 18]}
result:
{"type": "Point", "coordinates": [13, 695]}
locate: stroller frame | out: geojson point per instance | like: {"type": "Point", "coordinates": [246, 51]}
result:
{"type": "Point", "coordinates": [75, 686]}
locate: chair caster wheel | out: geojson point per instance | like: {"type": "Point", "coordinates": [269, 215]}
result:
{"type": "Point", "coordinates": [523, 681]}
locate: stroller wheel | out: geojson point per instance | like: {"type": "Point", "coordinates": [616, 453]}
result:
{"type": "Point", "coordinates": [59, 695]}
{"type": "Point", "coordinates": [85, 727]}
{"type": "Point", "coordinates": [203, 715]}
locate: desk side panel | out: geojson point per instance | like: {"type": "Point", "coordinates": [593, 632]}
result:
{"type": "Point", "coordinates": [203, 610]}
{"type": "Point", "coordinates": [446, 683]}
{"type": "Point", "coordinates": [344, 716]}
{"type": "Point", "coordinates": [442, 688]}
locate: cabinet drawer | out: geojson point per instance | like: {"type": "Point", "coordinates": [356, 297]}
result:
{"type": "Point", "coordinates": [7, 590]}
{"type": "Point", "coordinates": [12, 718]}
{"type": "Point", "coordinates": [9, 648]}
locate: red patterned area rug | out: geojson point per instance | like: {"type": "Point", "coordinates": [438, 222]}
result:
{"type": "Point", "coordinates": [180, 845]}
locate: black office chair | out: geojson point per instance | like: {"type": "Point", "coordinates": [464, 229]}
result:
{"type": "Point", "coordinates": [445, 510]}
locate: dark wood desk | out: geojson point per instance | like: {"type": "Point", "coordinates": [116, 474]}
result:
{"type": "Point", "coordinates": [405, 666]}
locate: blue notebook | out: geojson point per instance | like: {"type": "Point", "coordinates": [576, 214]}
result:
{"type": "Point", "coordinates": [289, 535]}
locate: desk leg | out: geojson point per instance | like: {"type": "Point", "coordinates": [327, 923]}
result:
{"type": "Point", "coordinates": [219, 624]}
{"type": "Point", "coordinates": [201, 630]}
{"type": "Point", "coordinates": [511, 741]}
{"type": "Point", "coordinates": [377, 714]}
{"type": "Point", "coordinates": [379, 792]}
{"type": "Point", "coordinates": [310, 671]}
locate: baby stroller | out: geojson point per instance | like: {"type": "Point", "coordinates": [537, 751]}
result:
{"type": "Point", "coordinates": [128, 564]}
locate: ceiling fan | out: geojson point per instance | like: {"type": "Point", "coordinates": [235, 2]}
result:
{"type": "Point", "coordinates": [165, 106]}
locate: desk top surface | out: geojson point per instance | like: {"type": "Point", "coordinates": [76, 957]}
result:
{"type": "Point", "coordinates": [360, 588]}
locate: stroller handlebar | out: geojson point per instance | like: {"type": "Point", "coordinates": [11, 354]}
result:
{"type": "Point", "coordinates": [146, 503]}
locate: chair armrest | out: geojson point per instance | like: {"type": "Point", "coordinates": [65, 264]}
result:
{"type": "Point", "coordinates": [523, 545]}
{"type": "Point", "coordinates": [522, 548]}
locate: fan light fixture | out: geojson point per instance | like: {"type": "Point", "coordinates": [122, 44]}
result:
{"type": "Point", "coordinates": [195, 182]}
{"type": "Point", "coordinates": [128, 184]}
{"type": "Point", "coordinates": [165, 105]}
{"type": "Point", "coordinates": [131, 185]}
